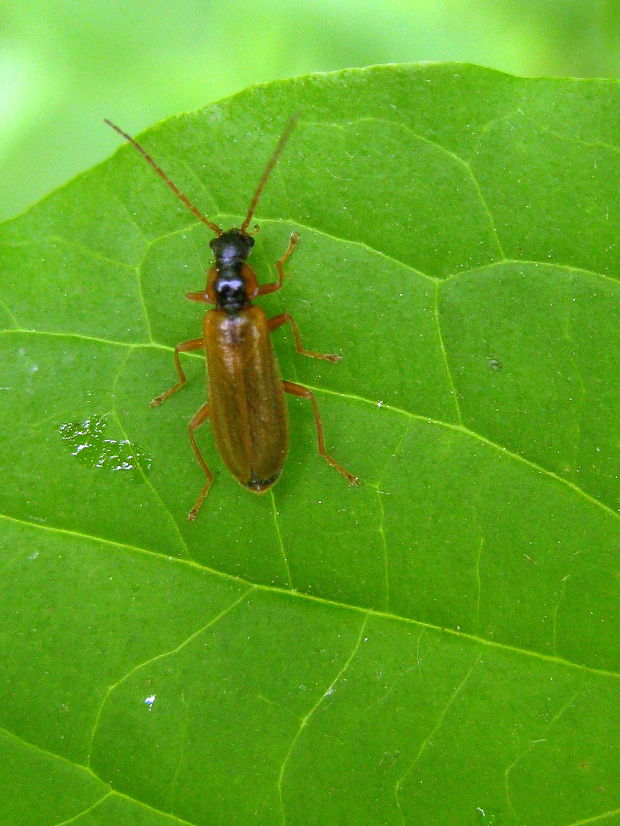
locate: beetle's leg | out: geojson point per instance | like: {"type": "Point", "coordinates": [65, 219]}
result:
{"type": "Point", "coordinates": [304, 393]}
{"type": "Point", "coordinates": [275, 285]}
{"type": "Point", "coordinates": [183, 347]}
{"type": "Point", "coordinates": [199, 418]}
{"type": "Point", "coordinates": [279, 320]}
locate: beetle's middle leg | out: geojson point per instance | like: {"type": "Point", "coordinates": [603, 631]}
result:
{"type": "Point", "coordinates": [199, 418]}
{"type": "Point", "coordinates": [183, 347]}
{"type": "Point", "coordinates": [279, 320]}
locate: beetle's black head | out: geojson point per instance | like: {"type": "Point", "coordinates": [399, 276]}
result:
{"type": "Point", "coordinates": [231, 247]}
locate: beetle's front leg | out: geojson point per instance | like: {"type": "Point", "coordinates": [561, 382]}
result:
{"type": "Point", "coordinates": [275, 285]}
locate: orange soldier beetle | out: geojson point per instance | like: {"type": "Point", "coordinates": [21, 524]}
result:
{"type": "Point", "coordinates": [246, 402]}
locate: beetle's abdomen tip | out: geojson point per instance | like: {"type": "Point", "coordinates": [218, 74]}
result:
{"type": "Point", "coordinates": [262, 485]}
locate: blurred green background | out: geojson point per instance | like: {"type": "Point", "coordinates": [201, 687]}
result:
{"type": "Point", "coordinates": [66, 64]}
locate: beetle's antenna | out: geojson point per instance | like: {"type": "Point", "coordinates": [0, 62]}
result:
{"type": "Point", "coordinates": [214, 227]}
{"type": "Point", "coordinates": [274, 159]}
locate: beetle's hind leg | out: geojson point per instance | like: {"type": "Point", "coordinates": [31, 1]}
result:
{"type": "Point", "coordinates": [304, 393]}
{"type": "Point", "coordinates": [199, 418]}
{"type": "Point", "coordinates": [183, 347]}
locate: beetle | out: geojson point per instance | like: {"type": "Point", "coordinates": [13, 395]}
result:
{"type": "Point", "coordinates": [246, 403]}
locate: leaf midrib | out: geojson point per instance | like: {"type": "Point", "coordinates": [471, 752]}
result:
{"type": "Point", "coordinates": [204, 569]}
{"type": "Point", "coordinates": [466, 431]}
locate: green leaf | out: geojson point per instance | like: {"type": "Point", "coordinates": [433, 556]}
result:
{"type": "Point", "coordinates": [438, 646]}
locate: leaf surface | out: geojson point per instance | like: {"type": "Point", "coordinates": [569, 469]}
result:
{"type": "Point", "coordinates": [437, 646]}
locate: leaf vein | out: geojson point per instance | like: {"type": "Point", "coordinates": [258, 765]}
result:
{"type": "Point", "coordinates": [111, 688]}
{"type": "Point", "coordinates": [274, 510]}
{"type": "Point", "coordinates": [86, 810]}
{"type": "Point", "coordinates": [453, 390]}
{"type": "Point", "coordinates": [546, 730]}
{"type": "Point", "coordinates": [371, 612]}
{"type": "Point", "coordinates": [306, 719]}
{"type": "Point", "coordinates": [428, 739]}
